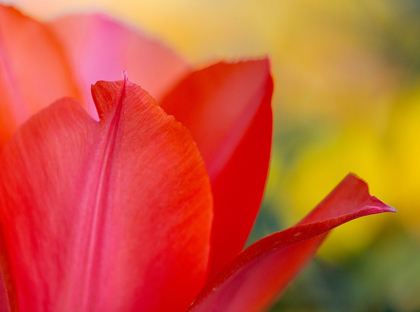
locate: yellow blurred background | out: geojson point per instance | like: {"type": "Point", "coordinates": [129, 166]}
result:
{"type": "Point", "coordinates": [347, 99]}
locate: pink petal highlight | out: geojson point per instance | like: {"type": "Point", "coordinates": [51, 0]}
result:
{"type": "Point", "coordinates": [98, 48]}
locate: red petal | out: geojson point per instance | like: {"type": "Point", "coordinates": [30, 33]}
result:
{"type": "Point", "coordinates": [256, 277]}
{"type": "Point", "coordinates": [30, 59]}
{"type": "Point", "coordinates": [4, 299]}
{"type": "Point", "coordinates": [100, 48]}
{"type": "Point", "coordinates": [108, 216]}
{"type": "Point", "coordinates": [227, 109]}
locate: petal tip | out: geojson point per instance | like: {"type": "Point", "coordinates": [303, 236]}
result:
{"type": "Point", "coordinates": [125, 76]}
{"type": "Point", "coordinates": [381, 206]}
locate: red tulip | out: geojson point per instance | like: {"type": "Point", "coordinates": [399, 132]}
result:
{"type": "Point", "coordinates": [140, 211]}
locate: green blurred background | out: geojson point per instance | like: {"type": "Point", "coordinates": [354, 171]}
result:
{"type": "Point", "coordinates": [347, 98]}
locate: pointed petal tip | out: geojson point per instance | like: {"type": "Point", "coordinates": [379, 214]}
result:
{"type": "Point", "coordinates": [378, 205]}
{"type": "Point", "coordinates": [391, 209]}
{"type": "Point", "coordinates": [381, 206]}
{"type": "Point", "coordinates": [125, 75]}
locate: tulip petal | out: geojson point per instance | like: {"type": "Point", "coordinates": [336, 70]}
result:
{"type": "Point", "coordinates": [255, 278]}
{"type": "Point", "coordinates": [99, 48]}
{"type": "Point", "coordinates": [112, 215]}
{"type": "Point", "coordinates": [30, 58]}
{"type": "Point", "coordinates": [4, 299]}
{"type": "Point", "coordinates": [227, 108]}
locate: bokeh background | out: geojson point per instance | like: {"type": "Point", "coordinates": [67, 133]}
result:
{"type": "Point", "coordinates": [347, 99]}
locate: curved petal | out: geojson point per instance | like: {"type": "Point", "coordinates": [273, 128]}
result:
{"type": "Point", "coordinates": [100, 48]}
{"type": "Point", "coordinates": [227, 108]}
{"type": "Point", "coordinates": [255, 278]}
{"type": "Point", "coordinates": [30, 59]}
{"type": "Point", "coordinates": [112, 215]}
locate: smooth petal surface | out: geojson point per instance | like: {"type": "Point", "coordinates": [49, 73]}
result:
{"type": "Point", "coordinates": [256, 277]}
{"type": "Point", "coordinates": [227, 108]}
{"type": "Point", "coordinates": [112, 215]}
{"type": "Point", "coordinates": [98, 48]}
{"type": "Point", "coordinates": [30, 59]}
{"type": "Point", "coordinates": [4, 298]}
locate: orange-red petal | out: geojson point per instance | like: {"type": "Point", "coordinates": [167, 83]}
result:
{"type": "Point", "coordinates": [30, 59]}
{"type": "Point", "coordinates": [256, 277]}
{"type": "Point", "coordinates": [4, 298]}
{"type": "Point", "coordinates": [112, 215]}
{"type": "Point", "coordinates": [227, 108]}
